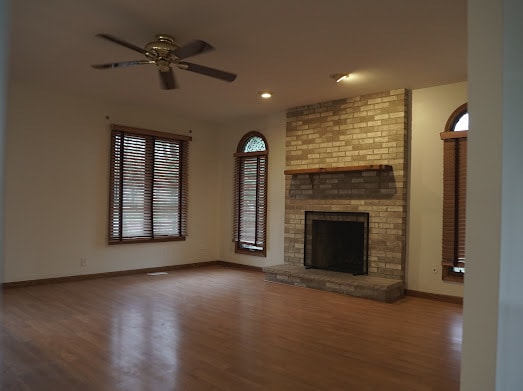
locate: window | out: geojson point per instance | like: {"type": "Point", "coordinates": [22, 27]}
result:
{"type": "Point", "coordinates": [250, 199]}
{"type": "Point", "coordinates": [454, 194]}
{"type": "Point", "coordinates": [148, 186]}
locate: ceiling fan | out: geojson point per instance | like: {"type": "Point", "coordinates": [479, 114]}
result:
{"type": "Point", "coordinates": [164, 52]}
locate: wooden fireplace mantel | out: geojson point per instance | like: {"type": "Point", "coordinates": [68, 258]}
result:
{"type": "Point", "coordinates": [319, 170]}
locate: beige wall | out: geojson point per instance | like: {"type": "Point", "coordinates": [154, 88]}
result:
{"type": "Point", "coordinates": [57, 210]}
{"type": "Point", "coordinates": [57, 188]}
{"type": "Point", "coordinates": [431, 108]}
{"type": "Point", "coordinates": [51, 222]}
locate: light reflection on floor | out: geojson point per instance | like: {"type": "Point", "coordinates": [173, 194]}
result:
{"type": "Point", "coordinates": [144, 337]}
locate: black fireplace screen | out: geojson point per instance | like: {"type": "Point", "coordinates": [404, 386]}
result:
{"type": "Point", "coordinates": [337, 241]}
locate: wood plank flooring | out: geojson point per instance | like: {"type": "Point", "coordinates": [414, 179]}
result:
{"type": "Point", "coordinates": [217, 328]}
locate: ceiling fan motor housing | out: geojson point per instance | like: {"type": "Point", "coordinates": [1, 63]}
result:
{"type": "Point", "coordinates": [164, 45]}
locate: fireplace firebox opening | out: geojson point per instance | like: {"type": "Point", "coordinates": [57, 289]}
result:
{"type": "Point", "coordinates": [337, 241]}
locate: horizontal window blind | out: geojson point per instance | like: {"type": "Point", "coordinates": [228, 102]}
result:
{"type": "Point", "coordinates": [148, 181]}
{"type": "Point", "coordinates": [454, 200]}
{"type": "Point", "coordinates": [252, 200]}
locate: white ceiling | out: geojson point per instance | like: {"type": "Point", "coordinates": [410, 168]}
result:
{"type": "Point", "coordinates": [287, 46]}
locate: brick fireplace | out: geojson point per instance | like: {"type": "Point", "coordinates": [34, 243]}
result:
{"type": "Point", "coordinates": [349, 155]}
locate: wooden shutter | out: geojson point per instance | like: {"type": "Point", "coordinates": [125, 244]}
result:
{"type": "Point", "coordinates": [148, 185]}
{"type": "Point", "coordinates": [454, 197]}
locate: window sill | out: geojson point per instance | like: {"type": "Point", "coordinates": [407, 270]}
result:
{"type": "Point", "coordinates": [256, 253]}
{"type": "Point", "coordinates": [447, 274]}
{"type": "Point", "coordinates": [161, 239]}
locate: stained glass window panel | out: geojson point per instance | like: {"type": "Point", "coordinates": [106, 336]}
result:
{"type": "Point", "coordinates": [254, 144]}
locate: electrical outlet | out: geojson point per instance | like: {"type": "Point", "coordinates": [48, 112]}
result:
{"type": "Point", "coordinates": [83, 262]}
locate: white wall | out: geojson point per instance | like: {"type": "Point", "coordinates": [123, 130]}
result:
{"type": "Point", "coordinates": [273, 128]}
{"type": "Point", "coordinates": [57, 188]}
{"type": "Point", "coordinates": [431, 108]}
{"type": "Point", "coordinates": [493, 307]}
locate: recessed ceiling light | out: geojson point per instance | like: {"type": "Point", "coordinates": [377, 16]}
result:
{"type": "Point", "coordinates": [340, 76]}
{"type": "Point", "coordinates": [265, 94]}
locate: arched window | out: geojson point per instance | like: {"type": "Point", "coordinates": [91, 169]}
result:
{"type": "Point", "coordinates": [454, 194]}
{"type": "Point", "coordinates": [250, 194]}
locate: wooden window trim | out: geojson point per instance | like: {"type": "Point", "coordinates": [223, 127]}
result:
{"type": "Point", "coordinates": [117, 184]}
{"type": "Point", "coordinates": [147, 132]}
{"type": "Point", "coordinates": [454, 134]}
{"type": "Point", "coordinates": [244, 154]}
{"type": "Point", "coordinates": [454, 197]}
{"type": "Point", "coordinates": [260, 224]}
{"type": "Point", "coordinates": [455, 116]}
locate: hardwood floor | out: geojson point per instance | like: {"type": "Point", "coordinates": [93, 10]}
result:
{"type": "Point", "coordinates": [217, 328]}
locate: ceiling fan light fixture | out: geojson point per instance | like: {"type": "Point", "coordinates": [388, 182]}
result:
{"type": "Point", "coordinates": [339, 77]}
{"type": "Point", "coordinates": [265, 94]}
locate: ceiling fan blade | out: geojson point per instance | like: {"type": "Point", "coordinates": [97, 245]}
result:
{"type": "Point", "coordinates": [212, 72]}
{"type": "Point", "coordinates": [167, 79]}
{"type": "Point", "coordinates": [121, 64]}
{"type": "Point", "coordinates": [122, 42]}
{"type": "Point", "coordinates": [192, 49]}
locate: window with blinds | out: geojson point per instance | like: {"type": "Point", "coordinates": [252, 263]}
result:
{"type": "Point", "coordinates": [250, 195]}
{"type": "Point", "coordinates": [454, 194]}
{"type": "Point", "coordinates": [148, 186]}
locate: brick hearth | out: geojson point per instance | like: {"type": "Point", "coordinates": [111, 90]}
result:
{"type": "Point", "coordinates": [376, 288]}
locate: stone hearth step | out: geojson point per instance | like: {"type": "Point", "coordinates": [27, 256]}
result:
{"type": "Point", "coordinates": [376, 288]}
